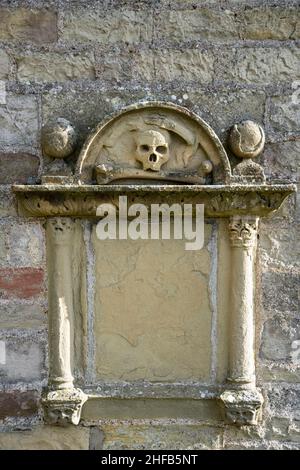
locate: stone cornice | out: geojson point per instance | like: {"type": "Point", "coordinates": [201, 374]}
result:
{"type": "Point", "coordinates": [73, 200]}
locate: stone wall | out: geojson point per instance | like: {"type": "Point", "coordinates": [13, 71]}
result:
{"type": "Point", "coordinates": [225, 60]}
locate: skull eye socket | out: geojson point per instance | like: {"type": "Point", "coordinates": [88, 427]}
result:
{"type": "Point", "coordinates": [145, 148]}
{"type": "Point", "coordinates": [161, 149]}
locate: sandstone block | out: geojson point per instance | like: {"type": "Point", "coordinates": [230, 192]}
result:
{"type": "Point", "coordinates": [51, 66]}
{"type": "Point", "coordinates": [264, 65]}
{"type": "Point", "coordinates": [19, 121]}
{"type": "Point", "coordinates": [278, 244]}
{"type": "Point", "coordinates": [199, 24]}
{"type": "Point", "coordinates": [282, 429]}
{"type": "Point", "coordinates": [22, 283]}
{"type": "Point", "coordinates": [269, 23]}
{"type": "Point", "coordinates": [21, 314]}
{"type": "Point", "coordinates": [279, 340]}
{"type": "Point", "coordinates": [161, 436]}
{"type": "Point", "coordinates": [24, 357]}
{"type": "Point", "coordinates": [46, 438]}
{"type": "Point", "coordinates": [18, 168]}
{"type": "Point", "coordinates": [18, 404]}
{"type": "Point", "coordinates": [129, 65]}
{"type": "Point", "coordinates": [22, 244]}
{"type": "Point", "coordinates": [24, 24]}
{"type": "Point", "coordinates": [284, 113]}
{"type": "Point", "coordinates": [188, 65]}
{"type": "Point", "coordinates": [107, 27]}
{"type": "Point", "coordinates": [278, 372]}
{"type": "Point", "coordinates": [280, 291]}
{"type": "Point", "coordinates": [282, 160]}
{"type": "Point", "coordinates": [284, 401]}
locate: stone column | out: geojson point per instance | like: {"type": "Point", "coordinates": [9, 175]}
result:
{"type": "Point", "coordinates": [243, 235]}
{"type": "Point", "coordinates": [59, 254]}
{"type": "Point", "coordinates": [241, 400]}
{"type": "Point", "coordinates": [62, 402]}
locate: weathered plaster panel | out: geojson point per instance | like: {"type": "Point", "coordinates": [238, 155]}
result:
{"type": "Point", "coordinates": [152, 310]}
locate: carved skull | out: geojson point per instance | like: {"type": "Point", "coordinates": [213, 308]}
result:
{"type": "Point", "coordinates": [152, 149]}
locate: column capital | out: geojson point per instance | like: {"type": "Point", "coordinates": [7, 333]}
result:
{"type": "Point", "coordinates": [60, 229]}
{"type": "Point", "coordinates": [243, 231]}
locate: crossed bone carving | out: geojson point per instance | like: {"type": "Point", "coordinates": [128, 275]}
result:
{"type": "Point", "coordinates": [106, 173]}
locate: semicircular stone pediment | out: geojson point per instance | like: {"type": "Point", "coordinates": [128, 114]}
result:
{"type": "Point", "coordinates": [153, 141]}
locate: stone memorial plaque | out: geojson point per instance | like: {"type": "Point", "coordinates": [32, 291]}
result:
{"type": "Point", "coordinates": [152, 310]}
{"type": "Point", "coordinates": [146, 328]}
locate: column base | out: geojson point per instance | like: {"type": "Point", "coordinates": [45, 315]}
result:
{"type": "Point", "coordinates": [63, 407]}
{"type": "Point", "coordinates": [242, 407]}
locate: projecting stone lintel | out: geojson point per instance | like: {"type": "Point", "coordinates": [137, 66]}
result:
{"type": "Point", "coordinates": [82, 200]}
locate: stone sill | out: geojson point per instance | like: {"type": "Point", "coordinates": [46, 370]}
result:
{"type": "Point", "coordinates": [98, 409]}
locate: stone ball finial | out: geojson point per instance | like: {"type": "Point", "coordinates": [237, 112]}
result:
{"type": "Point", "coordinates": [58, 138]}
{"type": "Point", "coordinates": [247, 139]}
